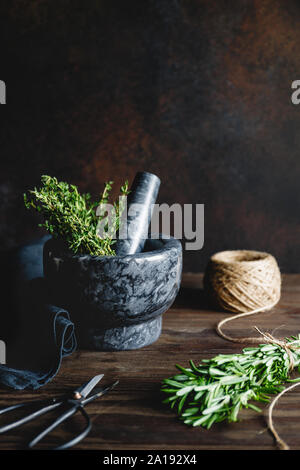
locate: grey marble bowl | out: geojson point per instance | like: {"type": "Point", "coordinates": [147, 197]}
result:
{"type": "Point", "coordinates": [116, 302]}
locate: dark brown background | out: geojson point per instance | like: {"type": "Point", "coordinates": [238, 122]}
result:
{"type": "Point", "coordinates": [196, 91]}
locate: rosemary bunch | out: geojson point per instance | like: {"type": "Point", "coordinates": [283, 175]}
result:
{"type": "Point", "coordinates": [71, 216]}
{"type": "Point", "coordinates": [218, 388]}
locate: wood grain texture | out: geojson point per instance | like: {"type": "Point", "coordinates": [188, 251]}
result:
{"type": "Point", "coordinates": [133, 417]}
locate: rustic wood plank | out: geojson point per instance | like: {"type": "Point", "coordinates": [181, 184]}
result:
{"type": "Point", "coordinates": [133, 417]}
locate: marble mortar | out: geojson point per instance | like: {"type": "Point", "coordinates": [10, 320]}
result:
{"type": "Point", "coordinates": [116, 302]}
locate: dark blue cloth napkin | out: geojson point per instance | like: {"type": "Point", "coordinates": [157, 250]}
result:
{"type": "Point", "coordinates": [37, 334]}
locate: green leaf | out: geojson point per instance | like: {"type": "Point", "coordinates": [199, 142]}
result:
{"type": "Point", "coordinates": [181, 403]}
{"type": "Point", "coordinates": [233, 379]}
{"type": "Point", "coordinates": [174, 383]}
{"type": "Point", "coordinates": [190, 411]}
{"type": "Point", "coordinates": [187, 372]}
{"type": "Point", "coordinates": [184, 390]}
{"type": "Point", "coordinates": [213, 371]}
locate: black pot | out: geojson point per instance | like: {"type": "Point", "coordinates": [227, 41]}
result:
{"type": "Point", "coordinates": [116, 302]}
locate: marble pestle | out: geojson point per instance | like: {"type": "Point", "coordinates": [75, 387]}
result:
{"type": "Point", "coordinates": [140, 201]}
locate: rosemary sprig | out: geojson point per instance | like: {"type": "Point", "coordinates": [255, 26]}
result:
{"type": "Point", "coordinates": [71, 216]}
{"type": "Point", "coordinates": [218, 388]}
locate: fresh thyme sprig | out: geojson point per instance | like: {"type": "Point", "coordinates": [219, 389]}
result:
{"type": "Point", "coordinates": [71, 216]}
{"type": "Point", "coordinates": [218, 388]}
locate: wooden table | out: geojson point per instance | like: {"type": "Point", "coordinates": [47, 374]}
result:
{"type": "Point", "coordinates": [133, 417]}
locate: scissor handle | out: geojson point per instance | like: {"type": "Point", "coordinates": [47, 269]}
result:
{"type": "Point", "coordinates": [74, 406]}
{"type": "Point", "coordinates": [48, 406]}
{"type": "Point", "coordinates": [80, 436]}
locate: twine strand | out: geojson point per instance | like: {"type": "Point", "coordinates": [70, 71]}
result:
{"type": "Point", "coordinates": [279, 441]}
{"type": "Point", "coordinates": [253, 340]}
{"type": "Point", "coordinates": [288, 347]}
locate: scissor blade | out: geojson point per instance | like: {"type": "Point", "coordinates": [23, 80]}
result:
{"type": "Point", "coordinates": [101, 392]}
{"type": "Point", "coordinates": [85, 389]}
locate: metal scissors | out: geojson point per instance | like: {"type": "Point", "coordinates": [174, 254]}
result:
{"type": "Point", "coordinates": [70, 404]}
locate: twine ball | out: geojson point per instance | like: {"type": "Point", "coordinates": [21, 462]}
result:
{"type": "Point", "coordinates": [243, 281]}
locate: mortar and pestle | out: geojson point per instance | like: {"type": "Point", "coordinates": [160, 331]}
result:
{"type": "Point", "coordinates": [117, 302]}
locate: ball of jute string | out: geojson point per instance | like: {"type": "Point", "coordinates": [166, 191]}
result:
{"type": "Point", "coordinates": [243, 280]}
{"type": "Point", "coordinates": [248, 282]}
